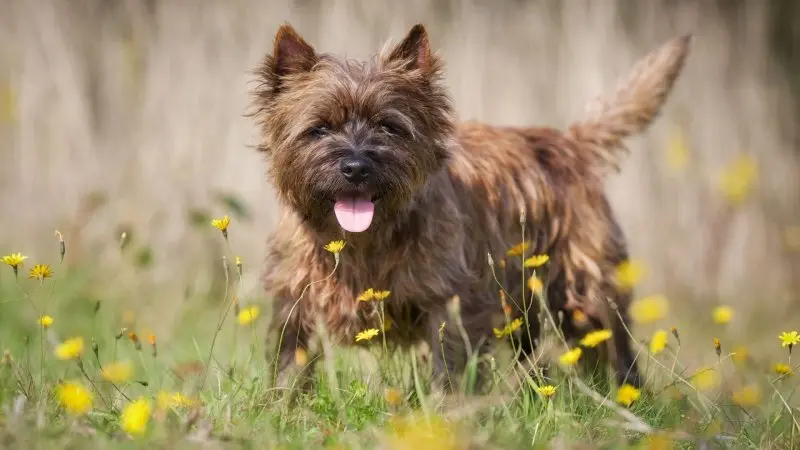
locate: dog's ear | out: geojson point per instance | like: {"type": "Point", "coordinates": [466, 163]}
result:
{"type": "Point", "coordinates": [414, 49]}
{"type": "Point", "coordinates": [291, 53]}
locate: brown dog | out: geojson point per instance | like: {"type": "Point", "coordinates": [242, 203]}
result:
{"type": "Point", "coordinates": [370, 153]}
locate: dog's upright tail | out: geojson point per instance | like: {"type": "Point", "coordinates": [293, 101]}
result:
{"type": "Point", "coordinates": [635, 104]}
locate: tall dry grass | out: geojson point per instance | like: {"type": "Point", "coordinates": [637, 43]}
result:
{"type": "Point", "coordinates": [142, 102]}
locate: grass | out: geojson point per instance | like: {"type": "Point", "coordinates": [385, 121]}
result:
{"type": "Point", "coordinates": [371, 397]}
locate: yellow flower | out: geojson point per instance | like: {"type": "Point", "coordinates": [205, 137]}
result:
{"type": "Point", "coordinates": [579, 317]}
{"type": "Point", "coordinates": [367, 296]}
{"type": "Point", "coordinates": [393, 396]}
{"type": "Point", "coordinates": [782, 369]}
{"type": "Point", "coordinates": [382, 295]}
{"type": "Point", "coordinates": [571, 357]}
{"type": "Point", "coordinates": [136, 416]}
{"type": "Point", "coordinates": [658, 342]}
{"type": "Point", "coordinates": [658, 441]}
{"type": "Point", "coordinates": [334, 246]}
{"type": "Point", "coordinates": [513, 326]}
{"type": "Point", "coordinates": [535, 284]}
{"type": "Point", "coordinates": [649, 309]}
{"type": "Point", "coordinates": [221, 224]}
{"type": "Point", "coordinates": [722, 314]}
{"type": "Point", "coordinates": [627, 394]}
{"type": "Point", "coordinates": [717, 346]}
{"type": "Point", "coordinates": [166, 400]}
{"type": "Point", "coordinates": [74, 397]}
{"type": "Point", "coordinates": [519, 249]}
{"type": "Point", "coordinates": [677, 150]}
{"type": "Point", "coordinates": [546, 391]}
{"type": "Point", "coordinates": [300, 357]}
{"type": "Point", "coordinates": [749, 395]}
{"type": "Point", "coordinates": [594, 338]}
{"type": "Point", "coordinates": [46, 321]}
{"type": "Point", "coordinates": [40, 272]}
{"type": "Point", "coordinates": [248, 315]}
{"type": "Point", "coordinates": [737, 179]}
{"type": "Point", "coordinates": [536, 261]}
{"type": "Point", "coordinates": [740, 354]}
{"type": "Point", "coordinates": [14, 260]}
{"type": "Point", "coordinates": [70, 349]}
{"type": "Point", "coordinates": [416, 433]}
{"type": "Point", "coordinates": [789, 339]}
{"type": "Point", "coordinates": [629, 273]}
{"type": "Point", "coordinates": [118, 372]}
{"type": "Point", "coordinates": [705, 379]}
{"type": "Point", "coordinates": [367, 335]}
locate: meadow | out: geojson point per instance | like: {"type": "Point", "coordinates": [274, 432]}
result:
{"type": "Point", "coordinates": [129, 318]}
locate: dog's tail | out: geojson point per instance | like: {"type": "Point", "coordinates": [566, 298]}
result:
{"type": "Point", "coordinates": [635, 104]}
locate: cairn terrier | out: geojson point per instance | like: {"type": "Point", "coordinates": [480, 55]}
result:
{"type": "Point", "coordinates": [369, 152]}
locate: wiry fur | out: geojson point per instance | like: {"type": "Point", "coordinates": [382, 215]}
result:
{"type": "Point", "coordinates": [448, 195]}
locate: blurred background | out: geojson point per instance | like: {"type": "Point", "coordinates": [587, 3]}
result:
{"type": "Point", "coordinates": [129, 116]}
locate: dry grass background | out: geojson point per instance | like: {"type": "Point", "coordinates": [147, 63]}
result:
{"type": "Point", "coordinates": [142, 102]}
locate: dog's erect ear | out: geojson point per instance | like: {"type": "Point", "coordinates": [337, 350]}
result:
{"type": "Point", "coordinates": [414, 48]}
{"type": "Point", "coordinates": [291, 53]}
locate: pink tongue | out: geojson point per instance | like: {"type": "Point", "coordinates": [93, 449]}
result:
{"type": "Point", "coordinates": [354, 214]}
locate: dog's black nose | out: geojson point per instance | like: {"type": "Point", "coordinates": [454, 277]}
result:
{"type": "Point", "coordinates": [355, 170]}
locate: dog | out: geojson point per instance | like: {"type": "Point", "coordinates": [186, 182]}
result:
{"type": "Point", "coordinates": [370, 152]}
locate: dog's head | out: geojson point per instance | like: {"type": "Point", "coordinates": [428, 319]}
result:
{"type": "Point", "coordinates": [350, 143]}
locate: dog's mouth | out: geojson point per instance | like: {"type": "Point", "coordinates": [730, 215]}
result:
{"type": "Point", "coordinates": [354, 212]}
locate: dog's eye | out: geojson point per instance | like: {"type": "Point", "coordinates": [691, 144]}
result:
{"type": "Point", "coordinates": [318, 131]}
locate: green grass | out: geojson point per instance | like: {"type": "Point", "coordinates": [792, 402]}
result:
{"type": "Point", "coordinates": [361, 398]}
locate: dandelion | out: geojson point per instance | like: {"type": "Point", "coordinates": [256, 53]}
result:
{"type": "Point", "coordinates": [749, 395]}
{"type": "Point", "coordinates": [46, 321]}
{"type": "Point", "coordinates": [118, 372]}
{"type": "Point", "coordinates": [136, 416]}
{"type": "Point", "coordinates": [367, 335]}
{"type": "Point", "coordinates": [717, 346]}
{"type": "Point", "coordinates": [535, 285]}
{"type": "Point", "coordinates": [393, 396]}
{"type": "Point", "coordinates": [571, 357]}
{"type": "Point", "coordinates": [594, 338]}
{"type": "Point", "coordinates": [14, 260]}
{"type": "Point", "coordinates": [546, 390]}
{"type": "Point", "coordinates": [782, 369]}
{"type": "Point", "coordinates": [334, 246]}
{"type": "Point", "coordinates": [508, 329]}
{"type": "Point", "coordinates": [674, 332]}
{"type": "Point", "coordinates": [40, 272]}
{"type": "Point", "coordinates": [658, 342]}
{"type": "Point", "coordinates": [519, 249]}
{"type": "Point", "coordinates": [789, 339]}
{"type": "Point", "coordinates": [74, 397]}
{"type": "Point", "coordinates": [705, 379]}
{"type": "Point", "coordinates": [722, 314]}
{"type": "Point", "coordinates": [579, 317]}
{"type": "Point", "coordinates": [166, 400]}
{"type": "Point", "coordinates": [414, 433]}
{"type": "Point", "coordinates": [740, 354]}
{"type": "Point", "coordinates": [367, 296]}
{"type": "Point", "coordinates": [300, 357]}
{"type": "Point", "coordinates": [133, 337]}
{"type": "Point", "coordinates": [249, 315]}
{"type": "Point", "coordinates": [649, 309]}
{"type": "Point", "coordinates": [737, 179]}
{"type": "Point", "coordinates": [629, 273]}
{"type": "Point", "coordinates": [627, 394]}
{"type": "Point", "coordinates": [382, 295]}
{"type": "Point", "coordinates": [536, 261]}
{"type": "Point", "coordinates": [70, 349]}
{"type": "Point", "coordinates": [222, 225]}
{"type": "Point", "coordinates": [151, 339]}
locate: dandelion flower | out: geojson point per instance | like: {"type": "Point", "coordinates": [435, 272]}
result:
{"type": "Point", "coordinates": [594, 338]}
{"type": "Point", "coordinates": [221, 224]}
{"type": "Point", "coordinates": [393, 396]}
{"type": "Point", "coordinates": [717, 346]}
{"type": "Point", "coordinates": [40, 272]}
{"type": "Point", "coordinates": [14, 260]}
{"type": "Point", "coordinates": [749, 395]}
{"type": "Point", "coordinates": [627, 394]}
{"type": "Point", "coordinates": [334, 246]}
{"type": "Point", "coordinates": [248, 315]}
{"type": "Point", "coordinates": [789, 339]}
{"type": "Point", "coordinates": [381, 295]}
{"type": "Point", "coordinates": [535, 284]}
{"type": "Point", "coordinates": [367, 296]}
{"type": "Point", "coordinates": [658, 342]}
{"type": "Point", "coordinates": [579, 317]}
{"type": "Point", "coordinates": [133, 337]}
{"type": "Point", "coordinates": [536, 261]}
{"type": "Point", "coordinates": [74, 397]}
{"type": "Point", "coordinates": [740, 354]}
{"type": "Point", "coordinates": [118, 372]}
{"type": "Point", "coordinates": [649, 309]}
{"type": "Point", "coordinates": [367, 335]}
{"type": "Point", "coordinates": [737, 179]}
{"type": "Point", "coordinates": [300, 357]}
{"type": "Point", "coordinates": [546, 390]}
{"type": "Point", "coordinates": [70, 349]}
{"type": "Point", "coordinates": [705, 379]}
{"type": "Point", "coordinates": [46, 321]}
{"type": "Point", "coordinates": [136, 416]}
{"type": "Point", "coordinates": [513, 326]}
{"type": "Point", "coordinates": [519, 249]}
{"type": "Point", "coordinates": [782, 369]}
{"type": "Point", "coordinates": [722, 314]}
{"type": "Point", "coordinates": [629, 273]}
{"type": "Point", "coordinates": [166, 400]}
{"type": "Point", "coordinates": [571, 357]}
